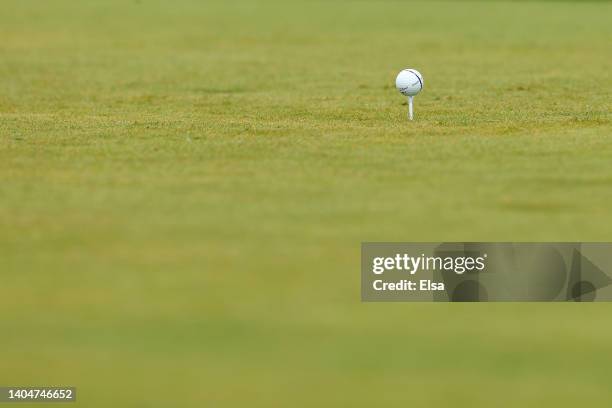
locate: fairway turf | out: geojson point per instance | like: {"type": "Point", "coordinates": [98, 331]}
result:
{"type": "Point", "coordinates": [184, 187]}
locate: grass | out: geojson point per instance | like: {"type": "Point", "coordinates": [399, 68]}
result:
{"type": "Point", "coordinates": [184, 187]}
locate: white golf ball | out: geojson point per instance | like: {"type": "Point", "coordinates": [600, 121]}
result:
{"type": "Point", "coordinates": [409, 82]}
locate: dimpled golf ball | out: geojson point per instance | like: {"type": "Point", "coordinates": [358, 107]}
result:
{"type": "Point", "coordinates": [409, 82]}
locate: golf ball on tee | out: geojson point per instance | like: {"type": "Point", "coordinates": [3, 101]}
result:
{"type": "Point", "coordinates": [409, 82]}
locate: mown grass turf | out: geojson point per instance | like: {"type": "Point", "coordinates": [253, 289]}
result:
{"type": "Point", "coordinates": [184, 187]}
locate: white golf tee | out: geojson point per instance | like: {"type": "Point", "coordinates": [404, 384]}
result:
{"type": "Point", "coordinates": [410, 107]}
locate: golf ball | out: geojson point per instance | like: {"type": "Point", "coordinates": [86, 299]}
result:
{"type": "Point", "coordinates": [409, 82]}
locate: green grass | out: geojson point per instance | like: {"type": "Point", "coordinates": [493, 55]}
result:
{"type": "Point", "coordinates": [184, 187]}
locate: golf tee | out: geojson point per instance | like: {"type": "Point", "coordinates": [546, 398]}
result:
{"type": "Point", "coordinates": [410, 107]}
